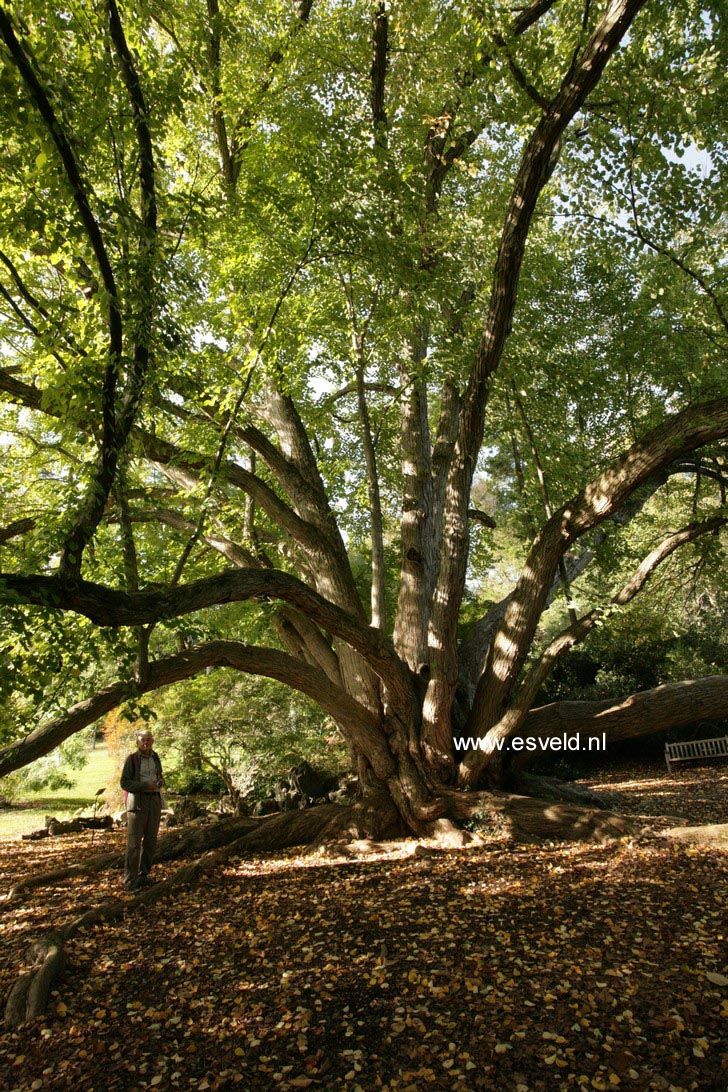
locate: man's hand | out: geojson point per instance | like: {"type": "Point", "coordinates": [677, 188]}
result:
{"type": "Point", "coordinates": [152, 786]}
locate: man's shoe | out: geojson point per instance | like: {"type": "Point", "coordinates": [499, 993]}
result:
{"type": "Point", "coordinates": [145, 881]}
{"type": "Point", "coordinates": [132, 887]}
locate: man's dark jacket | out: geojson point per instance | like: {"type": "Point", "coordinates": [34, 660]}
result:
{"type": "Point", "coordinates": [130, 782]}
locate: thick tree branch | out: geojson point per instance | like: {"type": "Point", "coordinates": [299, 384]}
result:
{"type": "Point", "coordinates": [358, 333]}
{"type": "Point", "coordinates": [321, 538]}
{"type": "Point", "coordinates": [475, 644]}
{"type": "Point", "coordinates": [543, 485]}
{"type": "Point", "coordinates": [417, 559]}
{"type": "Point", "coordinates": [145, 288]}
{"type": "Point", "coordinates": [110, 607]}
{"type": "Point", "coordinates": [537, 164]}
{"type": "Point", "coordinates": [672, 705]}
{"type": "Point", "coordinates": [236, 554]}
{"type": "Point", "coordinates": [186, 469]}
{"type": "Point", "coordinates": [380, 32]}
{"type": "Point", "coordinates": [253, 660]}
{"type": "Point", "coordinates": [218, 117]}
{"type": "Point", "coordinates": [22, 394]}
{"type": "Point", "coordinates": [686, 431]}
{"type": "Point", "coordinates": [79, 189]}
{"type": "Point", "coordinates": [334, 578]}
{"type": "Point", "coordinates": [378, 616]}
{"type": "Point", "coordinates": [308, 501]}
{"type": "Point", "coordinates": [305, 640]}
{"type": "Point", "coordinates": [18, 527]}
{"type": "Point", "coordinates": [299, 634]}
{"type": "Point", "coordinates": [530, 15]}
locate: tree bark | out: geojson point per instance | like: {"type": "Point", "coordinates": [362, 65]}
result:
{"type": "Point", "coordinates": [416, 559]}
{"type": "Point", "coordinates": [672, 705]}
{"type": "Point", "coordinates": [683, 432]}
{"type": "Point", "coordinates": [538, 160]}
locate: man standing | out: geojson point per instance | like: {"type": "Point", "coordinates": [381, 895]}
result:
{"type": "Point", "coordinates": [142, 782]}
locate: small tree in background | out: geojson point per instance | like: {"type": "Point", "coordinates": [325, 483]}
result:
{"type": "Point", "coordinates": [246, 732]}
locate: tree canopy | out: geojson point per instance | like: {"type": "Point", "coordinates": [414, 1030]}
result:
{"type": "Point", "coordinates": [375, 348]}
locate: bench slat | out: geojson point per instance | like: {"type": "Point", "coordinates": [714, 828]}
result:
{"type": "Point", "coordinates": [696, 748]}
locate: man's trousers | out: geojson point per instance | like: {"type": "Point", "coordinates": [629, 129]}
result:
{"type": "Point", "coordinates": [142, 827]}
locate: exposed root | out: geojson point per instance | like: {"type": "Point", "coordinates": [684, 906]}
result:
{"type": "Point", "coordinates": [359, 830]}
{"type": "Point", "coordinates": [713, 834]}
{"type": "Point", "coordinates": [526, 819]}
{"type": "Point", "coordinates": [84, 868]}
{"type": "Point", "coordinates": [294, 828]}
{"type": "Point", "coordinates": [447, 835]}
{"type": "Point", "coordinates": [173, 844]}
{"type": "Point", "coordinates": [29, 996]}
{"type": "Point", "coordinates": [46, 957]}
{"type": "Point", "coordinates": [550, 788]}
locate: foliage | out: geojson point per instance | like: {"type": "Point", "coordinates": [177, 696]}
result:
{"type": "Point", "coordinates": [219, 732]}
{"type": "Point", "coordinates": [677, 634]}
{"type": "Point", "coordinates": [50, 773]}
{"type": "Point", "coordinates": [323, 292]}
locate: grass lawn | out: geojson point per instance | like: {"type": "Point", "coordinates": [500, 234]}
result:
{"type": "Point", "coordinates": [99, 772]}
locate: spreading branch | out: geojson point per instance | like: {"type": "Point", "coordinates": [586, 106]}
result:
{"type": "Point", "coordinates": [185, 665]}
{"type": "Point", "coordinates": [536, 676]}
{"type": "Point", "coordinates": [110, 607]}
{"type": "Point", "coordinates": [538, 160]}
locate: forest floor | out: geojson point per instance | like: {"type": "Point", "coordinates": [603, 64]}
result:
{"type": "Point", "coordinates": [504, 967]}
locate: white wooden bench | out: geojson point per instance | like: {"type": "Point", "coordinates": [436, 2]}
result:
{"type": "Point", "coordinates": [696, 748]}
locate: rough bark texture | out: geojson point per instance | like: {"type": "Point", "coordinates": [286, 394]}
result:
{"type": "Point", "coordinates": [673, 705]}
{"type": "Point", "coordinates": [416, 542]}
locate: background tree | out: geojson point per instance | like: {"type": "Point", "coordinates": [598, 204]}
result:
{"type": "Point", "coordinates": [259, 279]}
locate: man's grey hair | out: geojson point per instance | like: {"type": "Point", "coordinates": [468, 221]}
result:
{"type": "Point", "coordinates": [143, 732]}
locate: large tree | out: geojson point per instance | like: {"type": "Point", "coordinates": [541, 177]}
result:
{"type": "Point", "coordinates": [283, 288]}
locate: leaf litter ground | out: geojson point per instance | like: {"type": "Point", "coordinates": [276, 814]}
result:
{"type": "Point", "coordinates": [504, 967]}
